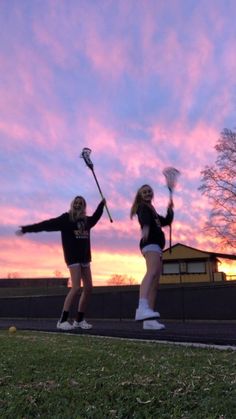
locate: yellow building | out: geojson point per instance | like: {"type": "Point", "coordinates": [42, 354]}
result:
{"type": "Point", "coordinates": [187, 264]}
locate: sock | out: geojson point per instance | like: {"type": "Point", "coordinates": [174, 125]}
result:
{"type": "Point", "coordinates": [80, 316]}
{"type": "Point", "coordinates": [143, 303]}
{"type": "Point", "coordinates": [64, 316]}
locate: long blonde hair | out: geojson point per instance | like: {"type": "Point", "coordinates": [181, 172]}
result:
{"type": "Point", "coordinates": [137, 200]}
{"type": "Point", "coordinates": [75, 214]}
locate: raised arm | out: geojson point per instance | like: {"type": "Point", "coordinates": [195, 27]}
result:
{"type": "Point", "coordinates": [92, 220]}
{"type": "Point", "coordinates": [168, 219]}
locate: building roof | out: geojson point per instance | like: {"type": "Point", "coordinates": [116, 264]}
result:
{"type": "Point", "coordinates": [180, 249]}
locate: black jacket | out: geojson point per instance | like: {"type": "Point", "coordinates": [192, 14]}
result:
{"type": "Point", "coordinates": [75, 236]}
{"type": "Point", "coordinates": [148, 216]}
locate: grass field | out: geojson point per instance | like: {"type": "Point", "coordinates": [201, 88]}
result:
{"type": "Point", "coordinates": [67, 376]}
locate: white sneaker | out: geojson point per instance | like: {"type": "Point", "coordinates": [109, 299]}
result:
{"type": "Point", "coordinates": [153, 325]}
{"type": "Point", "coordinates": [83, 325]}
{"type": "Point", "coordinates": [64, 326]}
{"type": "Point", "coordinates": [145, 314]}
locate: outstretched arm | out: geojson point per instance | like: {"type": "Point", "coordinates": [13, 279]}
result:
{"type": "Point", "coordinates": [54, 224]}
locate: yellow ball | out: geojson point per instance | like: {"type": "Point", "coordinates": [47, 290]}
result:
{"type": "Point", "coordinates": [12, 329]}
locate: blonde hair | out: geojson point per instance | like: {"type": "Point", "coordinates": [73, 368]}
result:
{"type": "Point", "coordinates": [137, 200]}
{"type": "Point", "coordinates": [75, 214]}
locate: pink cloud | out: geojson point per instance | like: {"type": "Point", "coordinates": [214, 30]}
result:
{"type": "Point", "coordinates": [48, 39]}
{"type": "Point", "coordinates": [51, 132]}
{"type": "Point", "coordinates": [108, 56]}
{"type": "Point", "coordinates": [187, 141]}
{"type": "Point", "coordinates": [43, 261]}
{"type": "Point", "coordinates": [78, 35]}
{"type": "Point", "coordinates": [37, 120]}
{"type": "Point", "coordinates": [15, 131]}
{"type": "Point", "coordinates": [27, 85]}
{"type": "Point", "coordinates": [120, 228]}
{"type": "Point", "coordinates": [99, 136]}
{"type": "Point", "coordinates": [11, 216]}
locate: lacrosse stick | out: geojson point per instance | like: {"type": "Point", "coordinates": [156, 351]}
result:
{"type": "Point", "coordinates": [86, 156]}
{"type": "Point", "coordinates": [171, 174]}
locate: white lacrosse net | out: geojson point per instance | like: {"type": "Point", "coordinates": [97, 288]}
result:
{"type": "Point", "coordinates": [171, 174]}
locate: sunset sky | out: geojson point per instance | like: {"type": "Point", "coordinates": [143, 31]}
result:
{"type": "Point", "coordinates": [145, 84]}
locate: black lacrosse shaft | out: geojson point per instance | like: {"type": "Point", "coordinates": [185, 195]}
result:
{"type": "Point", "coordinates": [109, 215]}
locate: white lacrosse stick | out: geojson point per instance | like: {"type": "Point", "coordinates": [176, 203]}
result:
{"type": "Point", "coordinates": [171, 174]}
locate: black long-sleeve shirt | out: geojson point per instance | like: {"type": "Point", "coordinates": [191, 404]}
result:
{"type": "Point", "coordinates": [75, 236]}
{"type": "Point", "coordinates": [148, 216]}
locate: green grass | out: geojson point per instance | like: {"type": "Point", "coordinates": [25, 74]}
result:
{"type": "Point", "coordinates": [70, 376]}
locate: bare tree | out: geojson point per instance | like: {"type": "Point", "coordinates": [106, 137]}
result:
{"type": "Point", "coordinates": [13, 275]}
{"type": "Point", "coordinates": [219, 185]}
{"type": "Point", "coordinates": [121, 280]}
{"type": "Point", "coordinates": [58, 274]}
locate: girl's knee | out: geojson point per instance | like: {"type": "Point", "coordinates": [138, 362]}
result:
{"type": "Point", "coordinates": [75, 289]}
{"type": "Point", "coordinates": [88, 288]}
{"type": "Point", "coordinates": [153, 274]}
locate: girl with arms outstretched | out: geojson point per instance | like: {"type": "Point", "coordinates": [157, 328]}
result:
{"type": "Point", "coordinates": [75, 227]}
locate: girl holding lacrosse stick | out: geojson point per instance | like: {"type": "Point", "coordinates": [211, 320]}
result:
{"type": "Point", "coordinates": [151, 244]}
{"type": "Point", "coordinates": [75, 227]}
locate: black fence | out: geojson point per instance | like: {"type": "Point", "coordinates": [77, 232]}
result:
{"type": "Point", "coordinates": [33, 282]}
{"type": "Point", "coordinates": [183, 302]}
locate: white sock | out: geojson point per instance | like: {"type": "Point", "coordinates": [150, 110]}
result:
{"type": "Point", "coordinates": [143, 303]}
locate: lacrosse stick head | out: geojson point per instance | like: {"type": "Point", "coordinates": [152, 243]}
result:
{"type": "Point", "coordinates": [86, 156]}
{"type": "Point", "coordinates": [171, 174]}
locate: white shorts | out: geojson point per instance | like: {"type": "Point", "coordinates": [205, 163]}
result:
{"type": "Point", "coordinates": [83, 265]}
{"type": "Point", "coordinates": [152, 248]}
